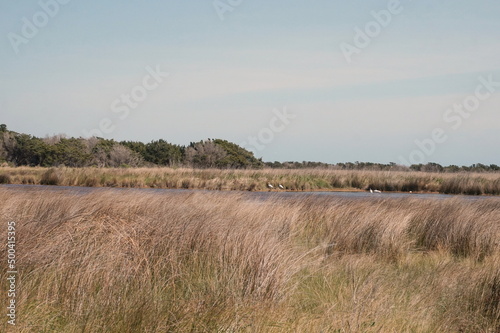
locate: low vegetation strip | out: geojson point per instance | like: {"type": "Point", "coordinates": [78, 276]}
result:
{"type": "Point", "coordinates": [257, 180]}
{"type": "Point", "coordinates": [20, 149]}
{"type": "Point", "coordinates": [222, 262]}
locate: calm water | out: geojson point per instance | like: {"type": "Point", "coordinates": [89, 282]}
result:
{"type": "Point", "coordinates": [76, 190]}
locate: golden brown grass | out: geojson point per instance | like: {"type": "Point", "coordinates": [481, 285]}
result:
{"type": "Point", "coordinates": [256, 180]}
{"type": "Point", "coordinates": [129, 261]}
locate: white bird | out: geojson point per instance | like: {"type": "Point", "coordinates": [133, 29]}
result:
{"type": "Point", "coordinates": [371, 191]}
{"type": "Point", "coordinates": [269, 185]}
{"type": "Point", "coordinates": [377, 191]}
{"type": "Point", "coordinates": [281, 186]}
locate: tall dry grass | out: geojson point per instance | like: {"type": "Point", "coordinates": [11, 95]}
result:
{"type": "Point", "coordinates": [257, 180]}
{"type": "Point", "coordinates": [124, 261]}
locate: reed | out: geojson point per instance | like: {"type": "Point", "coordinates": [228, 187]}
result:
{"type": "Point", "coordinates": [257, 180]}
{"type": "Point", "coordinates": [128, 261]}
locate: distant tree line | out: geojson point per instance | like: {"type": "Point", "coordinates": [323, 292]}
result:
{"type": "Point", "coordinates": [429, 167]}
{"type": "Point", "coordinates": [26, 150]}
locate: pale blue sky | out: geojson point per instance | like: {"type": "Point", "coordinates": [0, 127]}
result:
{"type": "Point", "coordinates": [226, 77]}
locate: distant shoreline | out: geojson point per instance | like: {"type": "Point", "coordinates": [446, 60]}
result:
{"type": "Point", "coordinates": [293, 180]}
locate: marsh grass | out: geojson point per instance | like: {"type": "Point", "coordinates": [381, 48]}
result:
{"type": "Point", "coordinates": [5, 179]}
{"type": "Point", "coordinates": [257, 180]}
{"type": "Point", "coordinates": [51, 177]}
{"type": "Point", "coordinates": [222, 262]}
